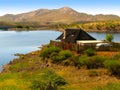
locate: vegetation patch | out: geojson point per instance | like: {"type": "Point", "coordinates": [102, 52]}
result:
{"type": "Point", "coordinates": [109, 86]}
{"type": "Point", "coordinates": [54, 68]}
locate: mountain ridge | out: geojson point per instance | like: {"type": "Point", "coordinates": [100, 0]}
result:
{"type": "Point", "coordinates": [61, 15]}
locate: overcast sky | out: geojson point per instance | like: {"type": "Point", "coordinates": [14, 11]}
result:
{"type": "Point", "coordinates": [86, 6]}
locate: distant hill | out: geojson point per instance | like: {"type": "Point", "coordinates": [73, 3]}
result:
{"type": "Point", "coordinates": [61, 15]}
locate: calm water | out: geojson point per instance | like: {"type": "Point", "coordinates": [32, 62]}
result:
{"type": "Point", "coordinates": [12, 42]}
{"type": "Point", "coordinates": [102, 36]}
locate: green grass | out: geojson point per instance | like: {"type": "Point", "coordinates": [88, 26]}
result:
{"type": "Point", "coordinates": [22, 73]}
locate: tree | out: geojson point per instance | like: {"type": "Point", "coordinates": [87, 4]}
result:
{"type": "Point", "coordinates": [109, 37]}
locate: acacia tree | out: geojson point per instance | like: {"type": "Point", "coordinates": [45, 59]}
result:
{"type": "Point", "coordinates": [109, 37]}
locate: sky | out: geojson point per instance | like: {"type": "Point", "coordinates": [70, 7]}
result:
{"type": "Point", "coordinates": [84, 6]}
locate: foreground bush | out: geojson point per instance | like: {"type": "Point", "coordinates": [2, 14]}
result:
{"type": "Point", "coordinates": [74, 60]}
{"type": "Point", "coordinates": [48, 80]}
{"type": "Point", "coordinates": [51, 76]}
{"type": "Point", "coordinates": [61, 56]}
{"type": "Point", "coordinates": [95, 62]}
{"type": "Point", "coordinates": [113, 66]}
{"type": "Point", "coordinates": [88, 62]}
{"type": "Point", "coordinates": [65, 54]}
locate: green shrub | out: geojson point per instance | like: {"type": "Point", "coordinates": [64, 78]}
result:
{"type": "Point", "coordinates": [46, 52]}
{"type": "Point", "coordinates": [109, 37]}
{"type": "Point", "coordinates": [74, 60]}
{"type": "Point", "coordinates": [51, 76]}
{"type": "Point", "coordinates": [55, 59]}
{"type": "Point", "coordinates": [113, 66]}
{"type": "Point", "coordinates": [37, 85]}
{"type": "Point", "coordinates": [48, 80]}
{"type": "Point", "coordinates": [82, 61]}
{"type": "Point", "coordinates": [61, 56]}
{"type": "Point", "coordinates": [90, 62]}
{"type": "Point", "coordinates": [95, 62]}
{"type": "Point", "coordinates": [90, 52]}
{"type": "Point", "coordinates": [65, 54]}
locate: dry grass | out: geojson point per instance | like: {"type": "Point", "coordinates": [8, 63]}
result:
{"type": "Point", "coordinates": [107, 53]}
{"type": "Point", "coordinates": [79, 79]}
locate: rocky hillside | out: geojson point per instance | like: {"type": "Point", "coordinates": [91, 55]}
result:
{"type": "Point", "coordinates": [61, 15]}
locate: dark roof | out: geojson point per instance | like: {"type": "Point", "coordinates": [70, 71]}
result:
{"type": "Point", "coordinates": [72, 35]}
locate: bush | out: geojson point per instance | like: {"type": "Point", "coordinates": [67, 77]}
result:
{"type": "Point", "coordinates": [65, 54]}
{"type": "Point", "coordinates": [48, 80]}
{"type": "Point", "coordinates": [109, 37]}
{"type": "Point", "coordinates": [113, 66]}
{"type": "Point", "coordinates": [51, 76]}
{"type": "Point", "coordinates": [74, 60]}
{"type": "Point", "coordinates": [95, 62]}
{"type": "Point", "coordinates": [45, 53]}
{"type": "Point", "coordinates": [37, 85]}
{"type": "Point", "coordinates": [90, 52]}
{"type": "Point", "coordinates": [55, 59]}
{"type": "Point", "coordinates": [91, 62]}
{"type": "Point", "coordinates": [61, 56]}
{"type": "Point", "coordinates": [82, 60]}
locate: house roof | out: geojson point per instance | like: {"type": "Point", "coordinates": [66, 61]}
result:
{"type": "Point", "coordinates": [72, 35]}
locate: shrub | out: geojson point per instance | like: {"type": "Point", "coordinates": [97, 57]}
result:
{"type": "Point", "coordinates": [113, 66]}
{"type": "Point", "coordinates": [95, 62]}
{"type": "Point", "coordinates": [91, 62]}
{"type": "Point", "coordinates": [74, 60]}
{"type": "Point", "coordinates": [109, 37]}
{"type": "Point", "coordinates": [37, 85]}
{"type": "Point", "coordinates": [62, 55]}
{"type": "Point", "coordinates": [55, 59]}
{"type": "Point", "coordinates": [90, 52]}
{"type": "Point", "coordinates": [48, 80]}
{"type": "Point", "coordinates": [65, 54]}
{"type": "Point", "coordinates": [82, 61]}
{"type": "Point", "coordinates": [51, 76]}
{"type": "Point", "coordinates": [45, 53]}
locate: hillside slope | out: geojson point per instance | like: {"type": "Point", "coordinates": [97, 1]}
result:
{"type": "Point", "coordinates": [61, 15]}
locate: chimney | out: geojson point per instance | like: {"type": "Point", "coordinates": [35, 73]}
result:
{"type": "Point", "coordinates": [64, 34]}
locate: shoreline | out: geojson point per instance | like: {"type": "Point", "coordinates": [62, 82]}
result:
{"type": "Point", "coordinates": [59, 29]}
{"type": "Point", "coordinates": [5, 67]}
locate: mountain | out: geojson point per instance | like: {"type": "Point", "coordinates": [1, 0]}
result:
{"type": "Point", "coordinates": [61, 15]}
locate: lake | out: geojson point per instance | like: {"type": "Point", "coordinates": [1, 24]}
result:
{"type": "Point", "coordinates": [12, 42]}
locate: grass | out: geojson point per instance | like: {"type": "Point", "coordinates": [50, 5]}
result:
{"type": "Point", "coordinates": [22, 72]}
{"type": "Point", "coordinates": [109, 86]}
